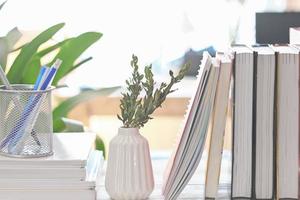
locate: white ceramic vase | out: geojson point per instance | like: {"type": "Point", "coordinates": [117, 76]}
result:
{"type": "Point", "coordinates": [129, 172]}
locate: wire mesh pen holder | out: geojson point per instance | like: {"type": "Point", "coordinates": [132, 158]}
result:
{"type": "Point", "coordinates": [25, 122]}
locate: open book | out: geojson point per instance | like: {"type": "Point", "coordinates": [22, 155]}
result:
{"type": "Point", "coordinates": [187, 155]}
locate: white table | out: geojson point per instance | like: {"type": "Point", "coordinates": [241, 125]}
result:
{"type": "Point", "coordinates": [194, 190]}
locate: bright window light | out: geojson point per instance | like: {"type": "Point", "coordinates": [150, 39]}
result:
{"type": "Point", "coordinates": [157, 29]}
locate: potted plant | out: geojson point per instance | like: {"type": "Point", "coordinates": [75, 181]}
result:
{"type": "Point", "coordinates": [129, 170]}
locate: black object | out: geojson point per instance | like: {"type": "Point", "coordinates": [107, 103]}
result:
{"type": "Point", "coordinates": [190, 56]}
{"type": "Point", "coordinates": [194, 58]}
{"type": "Point", "coordinates": [273, 27]}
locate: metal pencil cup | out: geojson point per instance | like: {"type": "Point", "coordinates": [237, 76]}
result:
{"type": "Point", "coordinates": [25, 122]}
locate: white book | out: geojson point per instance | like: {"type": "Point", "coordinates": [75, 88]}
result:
{"type": "Point", "coordinates": [37, 184]}
{"type": "Point", "coordinates": [204, 71]}
{"type": "Point", "coordinates": [71, 150]}
{"type": "Point", "coordinates": [48, 195]}
{"type": "Point", "coordinates": [287, 121]}
{"type": "Point", "coordinates": [94, 166]}
{"type": "Point", "coordinates": [187, 155]}
{"type": "Point", "coordinates": [264, 132]}
{"type": "Point", "coordinates": [218, 127]}
{"type": "Point", "coordinates": [242, 122]}
{"type": "Point", "coordinates": [43, 173]}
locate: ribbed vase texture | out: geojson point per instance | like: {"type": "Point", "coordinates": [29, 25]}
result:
{"type": "Point", "coordinates": [129, 172]}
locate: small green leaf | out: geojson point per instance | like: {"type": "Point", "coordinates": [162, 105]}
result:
{"type": "Point", "coordinates": [100, 145]}
{"type": "Point", "coordinates": [120, 118]}
{"type": "Point", "coordinates": [136, 110]}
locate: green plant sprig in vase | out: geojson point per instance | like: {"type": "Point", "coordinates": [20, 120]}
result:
{"type": "Point", "coordinates": [129, 173]}
{"type": "Point", "coordinates": [136, 110]}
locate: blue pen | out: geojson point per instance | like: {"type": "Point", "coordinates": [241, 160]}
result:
{"type": "Point", "coordinates": [36, 87]}
{"type": "Point", "coordinates": [16, 143]}
{"type": "Point", "coordinates": [39, 78]}
{"type": "Point", "coordinates": [37, 83]}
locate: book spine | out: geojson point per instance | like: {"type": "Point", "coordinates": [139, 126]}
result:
{"type": "Point", "coordinates": [275, 128]}
{"type": "Point", "coordinates": [233, 115]}
{"type": "Point", "coordinates": [254, 107]}
{"type": "Point", "coordinates": [298, 126]}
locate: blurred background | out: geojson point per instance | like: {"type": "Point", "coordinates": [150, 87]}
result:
{"type": "Point", "coordinates": [165, 33]}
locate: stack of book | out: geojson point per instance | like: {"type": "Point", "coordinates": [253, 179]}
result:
{"type": "Point", "coordinates": [266, 123]}
{"type": "Point", "coordinates": [70, 173]}
{"type": "Point", "coordinates": [263, 83]}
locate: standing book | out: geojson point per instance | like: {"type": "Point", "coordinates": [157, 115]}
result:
{"type": "Point", "coordinates": [263, 125]}
{"type": "Point", "coordinates": [218, 127]}
{"type": "Point", "coordinates": [287, 106]}
{"type": "Point", "coordinates": [242, 151]}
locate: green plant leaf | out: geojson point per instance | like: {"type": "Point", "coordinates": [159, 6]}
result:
{"type": "Point", "coordinates": [33, 66]}
{"type": "Point", "coordinates": [7, 43]}
{"type": "Point", "coordinates": [20, 64]}
{"type": "Point", "coordinates": [66, 106]}
{"type": "Point", "coordinates": [100, 145]}
{"type": "Point", "coordinates": [52, 48]}
{"type": "Point", "coordinates": [71, 50]}
{"type": "Point", "coordinates": [30, 73]}
{"type": "Point", "coordinates": [59, 125]}
{"type": "Point", "coordinates": [69, 125]}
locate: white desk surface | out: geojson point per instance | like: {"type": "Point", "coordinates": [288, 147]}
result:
{"type": "Point", "coordinates": [194, 190]}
